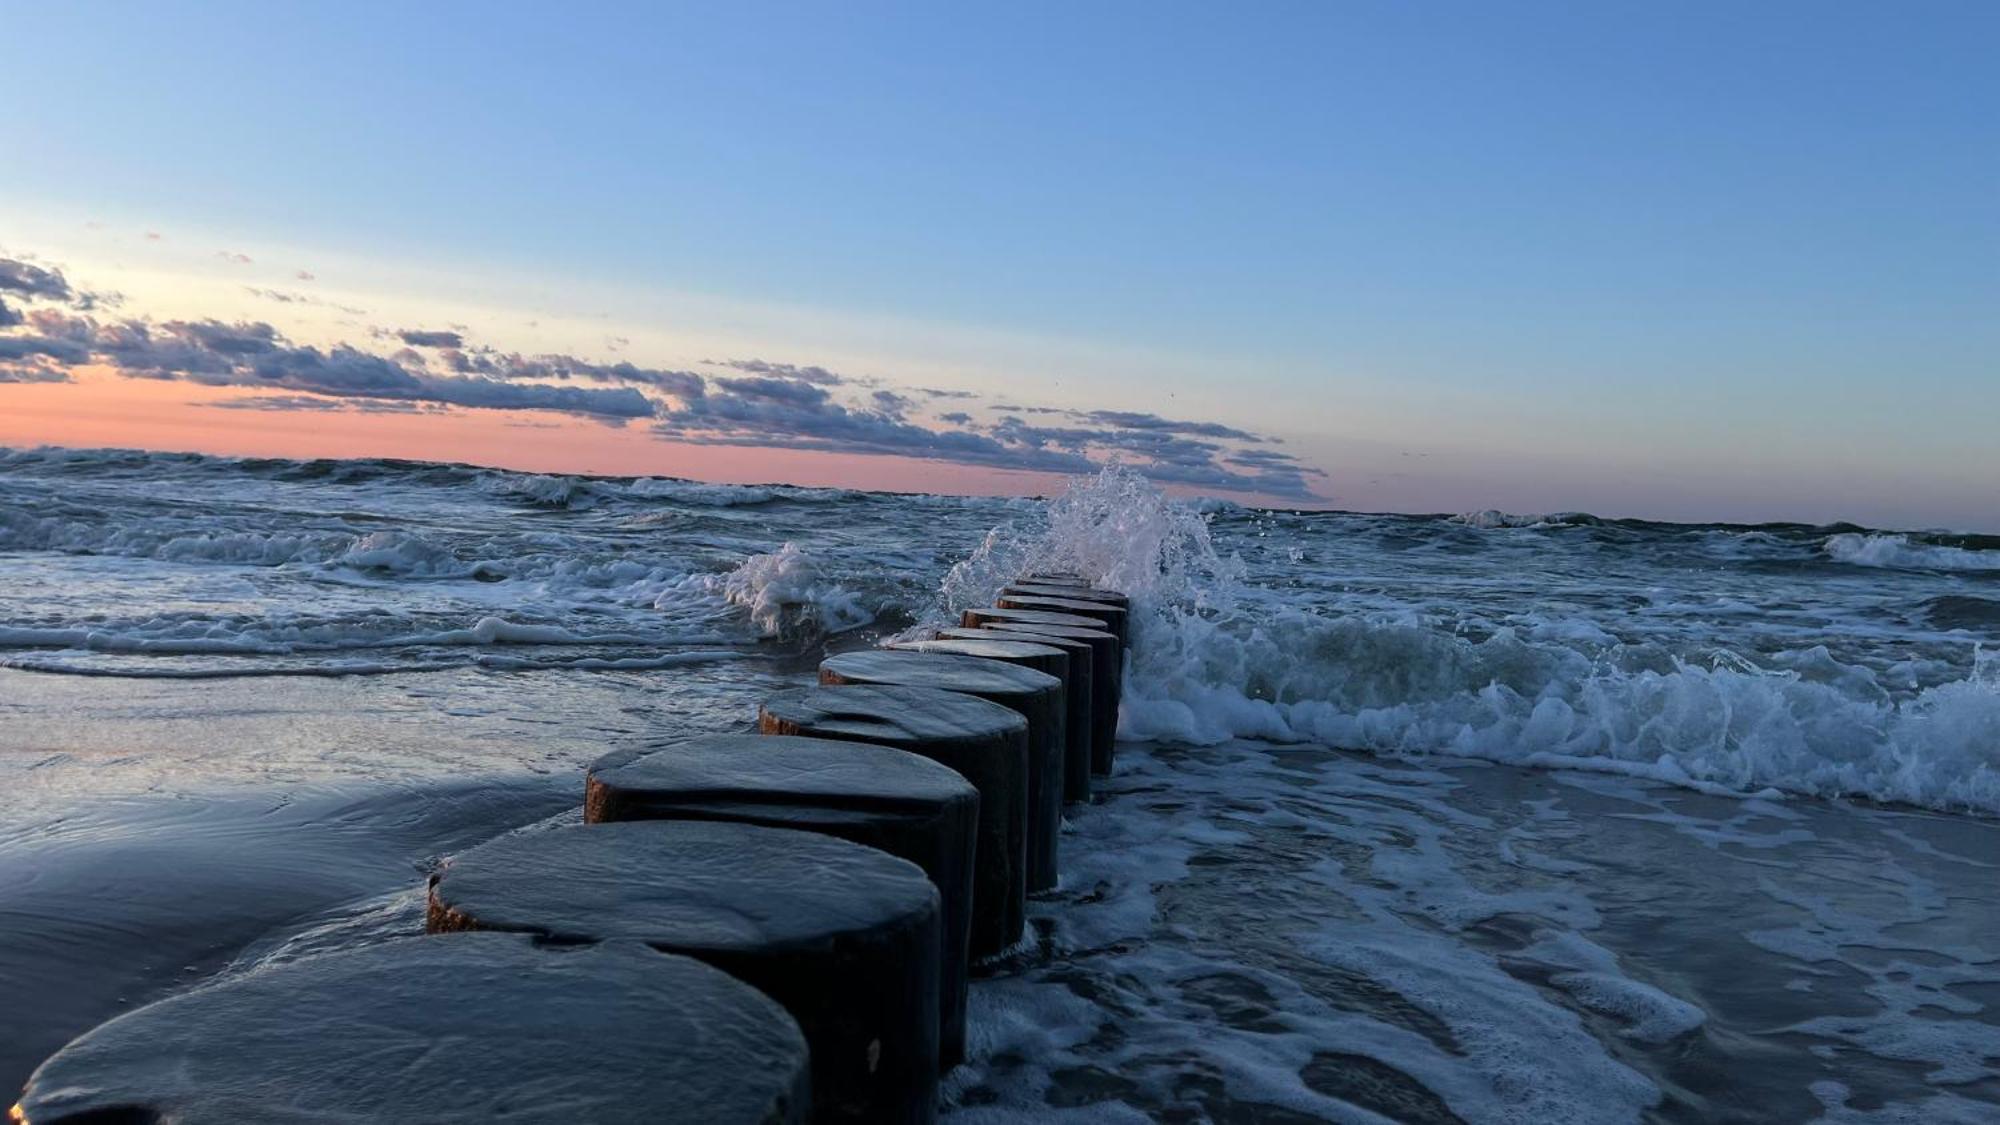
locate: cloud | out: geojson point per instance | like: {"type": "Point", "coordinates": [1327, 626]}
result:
{"type": "Point", "coordinates": [47, 328]}
{"type": "Point", "coordinates": [304, 275]}
{"type": "Point", "coordinates": [420, 338]}
{"type": "Point", "coordinates": [35, 372]}
{"type": "Point", "coordinates": [513, 365]}
{"type": "Point", "coordinates": [327, 405]}
{"type": "Point", "coordinates": [794, 414]}
{"type": "Point", "coordinates": [1128, 420]}
{"type": "Point", "coordinates": [890, 403]}
{"type": "Point", "coordinates": [791, 414]}
{"type": "Point", "coordinates": [285, 298]}
{"type": "Point", "coordinates": [775, 390]}
{"type": "Point", "coordinates": [230, 256]}
{"type": "Point", "coordinates": [34, 346]}
{"type": "Point", "coordinates": [492, 394]}
{"type": "Point", "coordinates": [254, 354]}
{"type": "Point", "coordinates": [808, 374]}
{"type": "Point", "coordinates": [34, 281]}
{"type": "Point", "coordinates": [30, 282]}
{"type": "Point", "coordinates": [1169, 456]}
{"type": "Point", "coordinates": [1269, 459]}
{"type": "Point", "coordinates": [280, 402]}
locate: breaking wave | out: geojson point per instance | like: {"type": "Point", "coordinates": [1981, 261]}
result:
{"type": "Point", "coordinates": [787, 596]}
{"type": "Point", "coordinates": [1215, 658]}
{"type": "Point", "coordinates": [1902, 552]}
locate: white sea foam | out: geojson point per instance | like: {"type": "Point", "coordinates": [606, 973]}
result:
{"type": "Point", "coordinates": [1591, 974]}
{"type": "Point", "coordinates": [577, 493]}
{"type": "Point", "coordinates": [1941, 1109]}
{"type": "Point", "coordinates": [179, 637]}
{"type": "Point", "coordinates": [1403, 688]}
{"type": "Point", "coordinates": [1493, 518]}
{"type": "Point", "coordinates": [1147, 986]}
{"type": "Point", "coordinates": [787, 595]}
{"type": "Point", "coordinates": [1214, 659]}
{"type": "Point", "coordinates": [1899, 552]}
{"type": "Point", "coordinates": [1116, 529]}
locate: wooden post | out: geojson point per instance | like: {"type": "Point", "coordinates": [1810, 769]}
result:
{"type": "Point", "coordinates": [1037, 696]}
{"type": "Point", "coordinates": [985, 743]}
{"type": "Point", "coordinates": [844, 936]}
{"type": "Point", "coordinates": [904, 804]}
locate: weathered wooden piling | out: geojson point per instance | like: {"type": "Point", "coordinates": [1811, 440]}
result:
{"type": "Point", "coordinates": [1107, 671]}
{"type": "Point", "coordinates": [906, 805]}
{"type": "Point", "coordinates": [1079, 690]}
{"type": "Point", "coordinates": [984, 742]}
{"type": "Point", "coordinates": [1080, 593]}
{"type": "Point", "coordinates": [1111, 618]}
{"type": "Point", "coordinates": [844, 936]}
{"type": "Point", "coordinates": [472, 1027]}
{"type": "Point", "coordinates": [1037, 696]}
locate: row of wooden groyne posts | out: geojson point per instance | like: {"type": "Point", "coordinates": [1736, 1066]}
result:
{"type": "Point", "coordinates": [768, 927]}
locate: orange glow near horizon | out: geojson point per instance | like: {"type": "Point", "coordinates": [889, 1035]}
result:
{"type": "Point", "coordinates": [103, 410]}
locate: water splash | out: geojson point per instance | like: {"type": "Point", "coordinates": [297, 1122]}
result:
{"type": "Point", "coordinates": [1214, 658]}
{"type": "Point", "coordinates": [1116, 529]}
{"type": "Point", "coordinates": [788, 597]}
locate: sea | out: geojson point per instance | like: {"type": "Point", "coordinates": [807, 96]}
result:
{"type": "Point", "coordinates": [1473, 817]}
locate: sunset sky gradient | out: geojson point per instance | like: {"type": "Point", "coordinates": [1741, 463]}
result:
{"type": "Point", "coordinates": [1704, 261]}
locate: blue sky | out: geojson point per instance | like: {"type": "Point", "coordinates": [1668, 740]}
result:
{"type": "Point", "coordinates": [1687, 260]}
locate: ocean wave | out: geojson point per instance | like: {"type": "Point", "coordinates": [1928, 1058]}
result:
{"type": "Point", "coordinates": [547, 490]}
{"type": "Point", "coordinates": [1407, 688]}
{"type": "Point", "coordinates": [578, 493]}
{"type": "Point", "coordinates": [1215, 659]}
{"type": "Point", "coordinates": [384, 552]}
{"type": "Point", "coordinates": [1957, 611]}
{"type": "Point", "coordinates": [1493, 519]}
{"type": "Point", "coordinates": [787, 596]}
{"type": "Point", "coordinates": [1905, 552]}
{"type": "Point", "coordinates": [1116, 529]}
{"type": "Point", "coordinates": [541, 489]}
{"type": "Point", "coordinates": [172, 636]}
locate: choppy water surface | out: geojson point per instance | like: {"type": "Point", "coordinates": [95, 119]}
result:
{"type": "Point", "coordinates": [1481, 818]}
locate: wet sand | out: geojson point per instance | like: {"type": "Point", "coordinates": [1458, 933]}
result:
{"type": "Point", "coordinates": [1243, 933]}
{"type": "Point", "coordinates": [157, 831]}
{"type": "Point", "coordinates": [131, 898]}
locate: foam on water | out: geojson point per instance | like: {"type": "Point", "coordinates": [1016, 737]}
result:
{"type": "Point", "coordinates": [1899, 551]}
{"type": "Point", "coordinates": [1216, 658]}
{"type": "Point", "coordinates": [1250, 925]}
{"type": "Point", "coordinates": [1737, 659]}
{"type": "Point", "coordinates": [787, 595]}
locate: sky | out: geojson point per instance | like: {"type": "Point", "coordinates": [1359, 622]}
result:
{"type": "Point", "coordinates": [1690, 261]}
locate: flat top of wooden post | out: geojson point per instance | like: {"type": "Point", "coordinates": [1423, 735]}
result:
{"type": "Point", "coordinates": [987, 646]}
{"type": "Point", "coordinates": [682, 884]}
{"type": "Point", "coordinates": [1067, 644]}
{"type": "Point", "coordinates": [1027, 624]}
{"type": "Point", "coordinates": [763, 764]}
{"type": "Point", "coordinates": [1077, 593]}
{"type": "Point", "coordinates": [896, 715]}
{"type": "Point", "coordinates": [1064, 605]}
{"type": "Point", "coordinates": [940, 670]}
{"type": "Point", "coordinates": [1041, 616]}
{"type": "Point", "coordinates": [469, 1027]}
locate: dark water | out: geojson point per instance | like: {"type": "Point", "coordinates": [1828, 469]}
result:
{"type": "Point", "coordinates": [1614, 853]}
